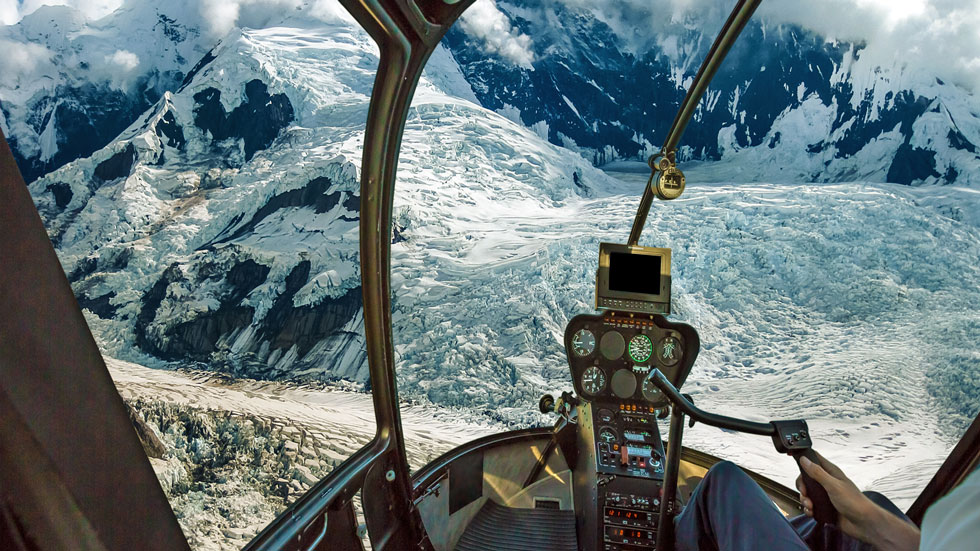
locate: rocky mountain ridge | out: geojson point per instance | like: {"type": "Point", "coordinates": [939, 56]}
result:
{"type": "Point", "coordinates": [786, 105]}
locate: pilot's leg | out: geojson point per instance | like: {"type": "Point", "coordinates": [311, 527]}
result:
{"type": "Point", "coordinates": [728, 511]}
{"type": "Point", "coordinates": [830, 538]}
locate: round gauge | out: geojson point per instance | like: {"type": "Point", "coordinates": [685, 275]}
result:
{"type": "Point", "coordinates": [583, 342]}
{"type": "Point", "coordinates": [669, 351]}
{"type": "Point", "coordinates": [593, 380]}
{"type": "Point", "coordinates": [641, 348]}
{"type": "Point", "coordinates": [612, 345]}
{"type": "Point", "coordinates": [607, 435]}
{"type": "Point", "coordinates": [624, 383]}
{"type": "Point", "coordinates": [651, 392]}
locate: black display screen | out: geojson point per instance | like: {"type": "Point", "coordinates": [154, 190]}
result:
{"type": "Point", "coordinates": [634, 273]}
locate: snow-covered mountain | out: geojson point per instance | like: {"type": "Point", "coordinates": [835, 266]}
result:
{"type": "Point", "coordinates": [221, 227]}
{"type": "Point", "coordinates": [70, 85]}
{"type": "Point", "coordinates": [786, 105]}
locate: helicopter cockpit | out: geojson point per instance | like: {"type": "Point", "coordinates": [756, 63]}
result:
{"type": "Point", "coordinates": [603, 477]}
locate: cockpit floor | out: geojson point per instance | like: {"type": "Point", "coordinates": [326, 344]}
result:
{"type": "Point", "coordinates": [501, 528]}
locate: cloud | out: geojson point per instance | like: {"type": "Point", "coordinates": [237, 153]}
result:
{"type": "Point", "coordinates": [124, 60]}
{"type": "Point", "coordinates": [938, 37]}
{"type": "Point", "coordinates": [22, 61]}
{"type": "Point", "coordinates": [330, 10]}
{"type": "Point", "coordinates": [221, 16]}
{"type": "Point", "coordinates": [120, 69]}
{"type": "Point", "coordinates": [485, 22]}
{"type": "Point", "coordinates": [9, 12]}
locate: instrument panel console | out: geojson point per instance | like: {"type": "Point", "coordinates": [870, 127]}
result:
{"type": "Point", "coordinates": [611, 354]}
{"type": "Point", "coordinates": [610, 357]}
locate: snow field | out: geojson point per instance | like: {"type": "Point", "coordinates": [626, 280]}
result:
{"type": "Point", "coordinates": [834, 303]}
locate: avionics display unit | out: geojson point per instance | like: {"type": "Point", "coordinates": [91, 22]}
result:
{"type": "Point", "coordinates": [633, 279]}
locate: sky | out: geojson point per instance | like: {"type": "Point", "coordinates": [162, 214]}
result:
{"type": "Point", "coordinates": [942, 36]}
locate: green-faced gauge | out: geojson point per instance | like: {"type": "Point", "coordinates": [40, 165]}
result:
{"type": "Point", "coordinates": [593, 380]}
{"type": "Point", "coordinates": [640, 348]}
{"type": "Point", "coordinates": [583, 342]}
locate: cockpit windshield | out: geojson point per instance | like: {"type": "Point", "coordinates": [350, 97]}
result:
{"type": "Point", "coordinates": [811, 254]}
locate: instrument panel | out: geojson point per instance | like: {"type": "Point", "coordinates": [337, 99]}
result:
{"type": "Point", "coordinates": [610, 355]}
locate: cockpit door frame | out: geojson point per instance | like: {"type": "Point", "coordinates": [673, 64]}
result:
{"type": "Point", "coordinates": [407, 32]}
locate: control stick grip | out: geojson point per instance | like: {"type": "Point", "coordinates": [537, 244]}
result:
{"type": "Point", "coordinates": [547, 403]}
{"type": "Point", "coordinates": [823, 509]}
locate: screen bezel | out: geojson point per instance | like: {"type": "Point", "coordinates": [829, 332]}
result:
{"type": "Point", "coordinates": [602, 277]}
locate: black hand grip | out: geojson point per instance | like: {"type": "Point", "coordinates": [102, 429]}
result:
{"type": "Point", "coordinates": [823, 509]}
{"type": "Point", "coordinates": [547, 403]}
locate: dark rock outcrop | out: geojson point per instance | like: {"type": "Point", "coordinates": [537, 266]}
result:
{"type": "Point", "coordinates": [257, 120]}
{"type": "Point", "coordinates": [168, 126]}
{"type": "Point", "coordinates": [86, 118]}
{"type": "Point", "coordinates": [912, 163]}
{"type": "Point", "coordinates": [118, 166]}
{"type": "Point", "coordinates": [152, 444]}
{"type": "Point", "coordinates": [62, 193]}
{"type": "Point", "coordinates": [99, 306]}
{"type": "Point", "coordinates": [313, 194]}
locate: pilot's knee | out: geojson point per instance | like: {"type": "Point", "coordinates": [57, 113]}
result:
{"type": "Point", "coordinates": [726, 477]}
{"type": "Point", "coordinates": [877, 498]}
{"type": "Point", "coordinates": [725, 470]}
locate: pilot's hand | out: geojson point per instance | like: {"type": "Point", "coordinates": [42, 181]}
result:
{"type": "Point", "coordinates": [860, 517]}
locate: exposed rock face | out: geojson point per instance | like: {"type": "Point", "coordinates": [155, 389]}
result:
{"type": "Point", "coordinates": [117, 166]}
{"type": "Point", "coordinates": [85, 119]}
{"type": "Point", "coordinates": [257, 121]}
{"type": "Point", "coordinates": [204, 236]}
{"type": "Point", "coordinates": [87, 79]}
{"type": "Point", "coordinates": [148, 435]}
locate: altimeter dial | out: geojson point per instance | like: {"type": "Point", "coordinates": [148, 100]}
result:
{"type": "Point", "coordinates": [640, 348]}
{"type": "Point", "coordinates": [593, 380]}
{"type": "Point", "coordinates": [583, 342]}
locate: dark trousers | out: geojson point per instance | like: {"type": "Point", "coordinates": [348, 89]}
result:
{"type": "Point", "coordinates": [728, 511]}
